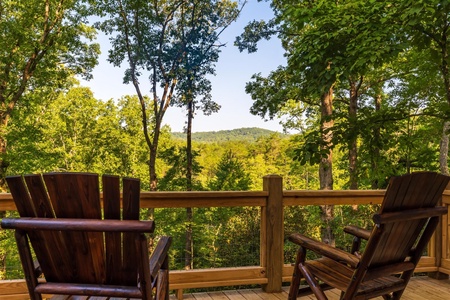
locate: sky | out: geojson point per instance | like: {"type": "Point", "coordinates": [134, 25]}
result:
{"type": "Point", "coordinates": [233, 70]}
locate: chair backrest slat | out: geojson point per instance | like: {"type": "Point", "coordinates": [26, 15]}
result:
{"type": "Point", "coordinates": [77, 196]}
{"type": "Point", "coordinates": [22, 199]}
{"type": "Point", "coordinates": [26, 208]}
{"type": "Point", "coordinates": [419, 190]}
{"type": "Point", "coordinates": [131, 189]}
{"type": "Point", "coordinates": [39, 196]}
{"type": "Point", "coordinates": [55, 244]}
{"type": "Point", "coordinates": [113, 241]}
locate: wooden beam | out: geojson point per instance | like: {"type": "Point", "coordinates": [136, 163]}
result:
{"type": "Point", "coordinates": [274, 229]}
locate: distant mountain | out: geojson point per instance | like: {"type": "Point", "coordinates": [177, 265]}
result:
{"type": "Point", "coordinates": [240, 134]}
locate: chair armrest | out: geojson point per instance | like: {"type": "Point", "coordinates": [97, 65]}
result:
{"type": "Point", "coordinates": [324, 249]}
{"type": "Point", "coordinates": [358, 232]}
{"type": "Point", "coordinates": [158, 259]}
{"type": "Point", "coordinates": [411, 214]}
{"type": "Point", "coordinates": [68, 224]}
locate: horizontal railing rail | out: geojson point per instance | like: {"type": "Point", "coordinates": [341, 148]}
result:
{"type": "Point", "coordinates": [271, 200]}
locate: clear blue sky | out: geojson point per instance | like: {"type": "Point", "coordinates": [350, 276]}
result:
{"type": "Point", "coordinates": [233, 70]}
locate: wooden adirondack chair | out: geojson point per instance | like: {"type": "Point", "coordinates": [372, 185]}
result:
{"type": "Point", "coordinates": [402, 229]}
{"type": "Point", "coordinates": [78, 252]}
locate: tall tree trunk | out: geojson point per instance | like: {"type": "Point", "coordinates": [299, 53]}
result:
{"type": "Point", "coordinates": [443, 149]}
{"type": "Point", "coordinates": [189, 247]}
{"type": "Point", "coordinates": [3, 256]}
{"type": "Point", "coordinates": [152, 167]}
{"type": "Point", "coordinates": [352, 141]}
{"type": "Point", "coordinates": [375, 148]}
{"type": "Point", "coordinates": [189, 251]}
{"type": "Point", "coordinates": [189, 146]}
{"type": "Point", "coordinates": [3, 162]}
{"type": "Point", "coordinates": [3, 187]}
{"type": "Point", "coordinates": [326, 163]}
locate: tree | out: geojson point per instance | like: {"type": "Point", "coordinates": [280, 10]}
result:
{"type": "Point", "coordinates": [43, 43]}
{"type": "Point", "coordinates": [312, 72]}
{"type": "Point", "coordinates": [66, 133]}
{"type": "Point", "coordinates": [426, 23]}
{"type": "Point", "coordinates": [201, 24]}
{"type": "Point", "coordinates": [175, 179]}
{"type": "Point", "coordinates": [328, 44]}
{"type": "Point", "coordinates": [230, 175]}
{"type": "Point", "coordinates": [174, 43]}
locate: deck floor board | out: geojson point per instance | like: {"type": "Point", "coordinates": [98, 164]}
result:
{"type": "Point", "coordinates": [419, 288]}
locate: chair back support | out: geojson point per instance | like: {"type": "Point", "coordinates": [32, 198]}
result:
{"type": "Point", "coordinates": [76, 256]}
{"type": "Point", "coordinates": [407, 194]}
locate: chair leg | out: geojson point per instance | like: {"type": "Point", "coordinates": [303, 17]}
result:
{"type": "Point", "coordinates": [356, 245]}
{"type": "Point", "coordinates": [27, 263]}
{"type": "Point", "coordinates": [312, 282]}
{"type": "Point", "coordinates": [162, 285]}
{"type": "Point", "coordinates": [296, 275]}
{"type": "Point", "coordinates": [397, 295]}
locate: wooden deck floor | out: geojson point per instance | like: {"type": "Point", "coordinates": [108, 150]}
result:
{"type": "Point", "coordinates": [419, 288]}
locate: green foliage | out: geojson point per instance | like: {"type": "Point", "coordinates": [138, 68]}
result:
{"type": "Point", "coordinates": [311, 148]}
{"type": "Point", "coordinates": [76, 132]}
{"type": "Point", "coordinates": [43, 44]}
{"type": "Point", "coordinates": [223, 237]}
{"type": "Point", "coordinates": [10, 266]}
{"type": "Point", "coordinates": [230, 175]}
{"type": "Point", "coordinates": [388, 51]}
{"type": "Point", "coordinates": [174, 178]}
{"type": "Point", "coordinates": [387, 55]}
{"type": "Point", "coordinates": [175, 45]}
{"type": "Point", "coordinates": [239, 134]}
{"type": "Point", "coordinates": [51, 36]}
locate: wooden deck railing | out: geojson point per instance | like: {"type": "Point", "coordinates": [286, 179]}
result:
{"type": "Point", "coordinates": [271, 200]}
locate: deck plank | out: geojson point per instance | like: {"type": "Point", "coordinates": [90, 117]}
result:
{"type": "Point", "coordinates": [202, 296]}
{"type": "Point", "coordinates": [419, 288]}
{"type": "Point", "coordinates": [233, 295]}
{"type": "Point", "coordinates": [272, 296]}
{"type": "Point", "coordinates": [249, 295]}
{"type": "Point", "coordinates": [218, 295]}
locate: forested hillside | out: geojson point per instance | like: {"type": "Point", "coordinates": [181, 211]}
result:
{"type": "Point", "coordinates": [240, 134]}
{"type": "Point", "coordinates": [366, 85]}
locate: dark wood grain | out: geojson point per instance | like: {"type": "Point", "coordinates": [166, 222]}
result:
{"type": "Point", "coordinates": [324, 249]}
{"type": "Point", "coordinates": [158, 259]}
{"type": "Point", "coordinates": [145, 279]}
{"type": "Point", "coordinates": [409, 215]}
{"type": "Point", "coordinates": [113, 241]}
{"type": "Point", "coordinates": [357, 231]}
{"type": "Point", "coordinates": [89, 290]}
{"type": "Point", "coordinates": [68, 224]}
{"type": "Point", "coordinates": [131, 190]}
{"type": "Point", "coordinates": [402, 229]}
{"type": "Point", "coordinates": [27, 263]}
{"type": "Point", "coordinates": [41, 241]}
{"type": "Point", "coordinates": [83, 256]}
{"type": "Point", "coordinates": [76, 195]}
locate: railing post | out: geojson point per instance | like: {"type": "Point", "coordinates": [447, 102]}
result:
{"type": "Point", "coordinates": [272, 233]}
{"type": "Point", "coordinates": [440, 246]}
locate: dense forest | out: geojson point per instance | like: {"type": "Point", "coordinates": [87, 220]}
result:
{"type": "Point", "coordinates": [239, 134]}
{"type": "Point", "coordinates": [366, 84]}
